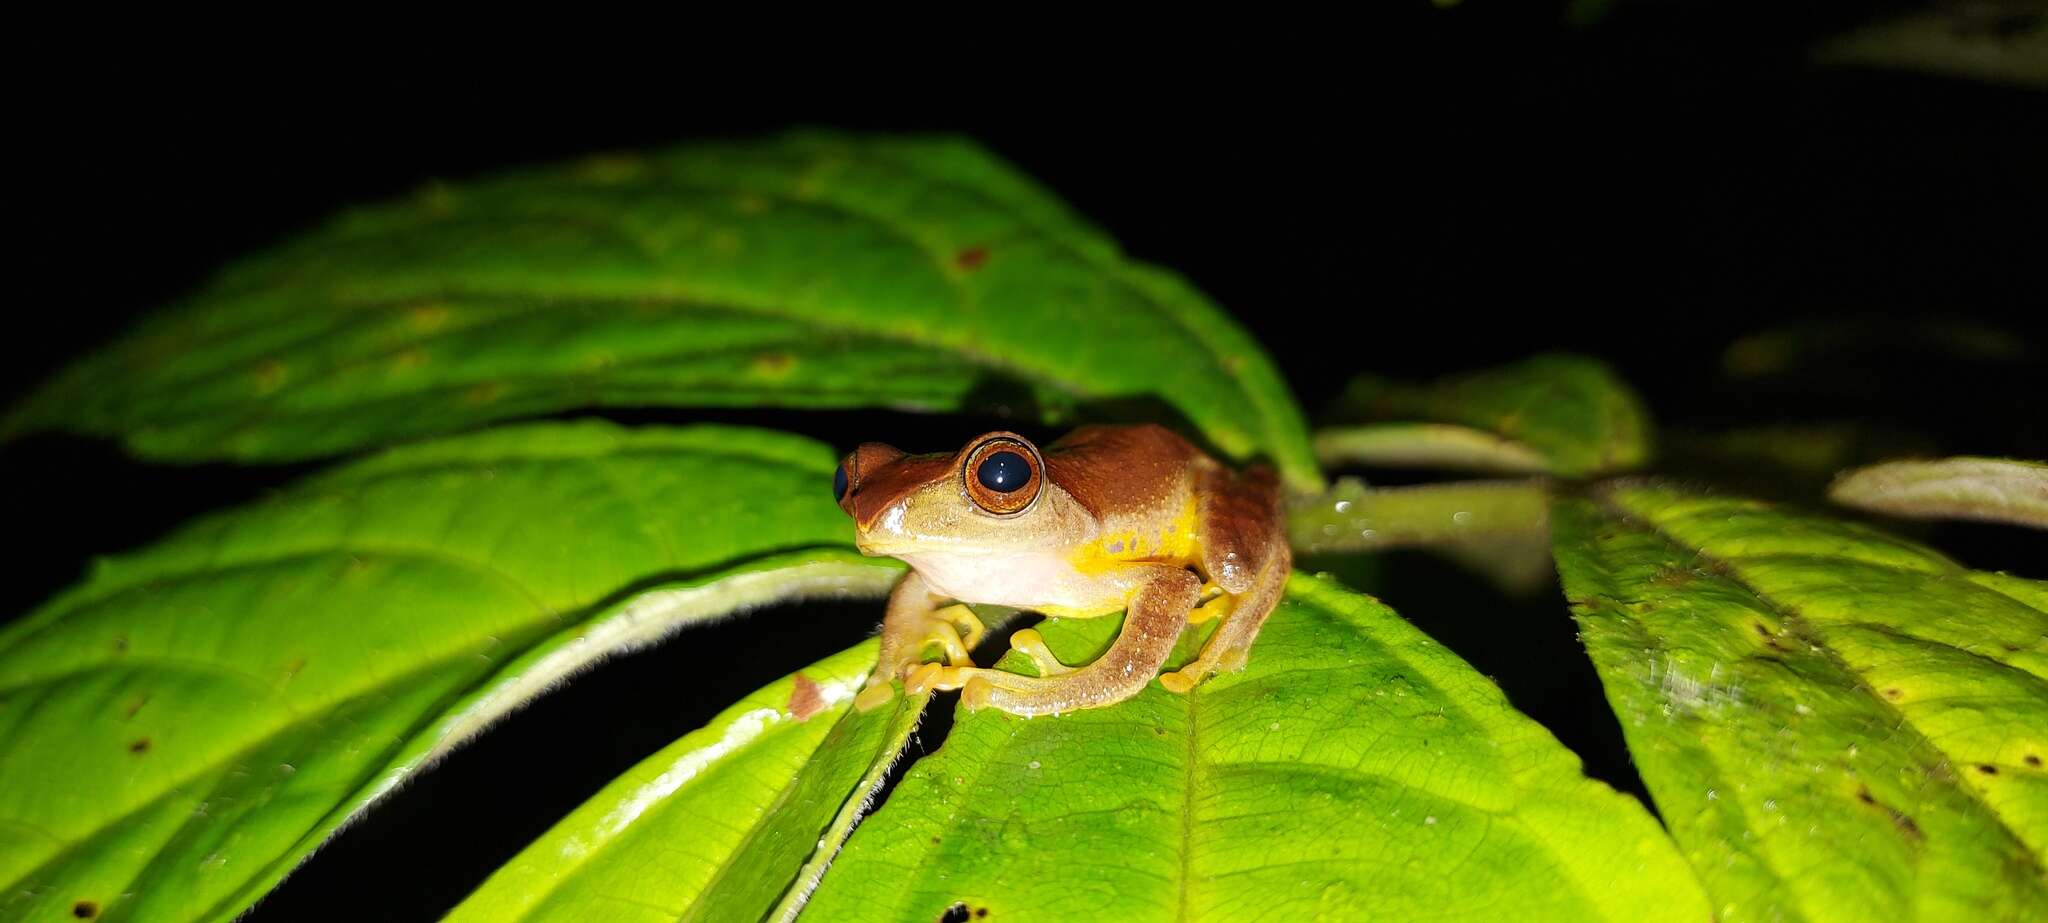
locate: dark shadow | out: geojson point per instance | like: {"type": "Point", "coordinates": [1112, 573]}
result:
{"type": "Point", "coordinates": [1528, 646]}
{"type": "Point", "coordinates": [431, 843]}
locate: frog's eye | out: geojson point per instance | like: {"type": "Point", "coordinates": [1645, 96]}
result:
{"type": "Point", "coordinates": [1002, 474]}
{"type": "Point", "coordinates": [839, 483]}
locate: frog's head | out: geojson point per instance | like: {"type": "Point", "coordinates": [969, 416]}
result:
{"type": "Point", "coordinates": [991, 497]}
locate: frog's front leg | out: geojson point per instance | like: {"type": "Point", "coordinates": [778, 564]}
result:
{"type": "Point", "coordinates": [913, 622]}
{"type": "Point", "coordinates": [1152, 623]}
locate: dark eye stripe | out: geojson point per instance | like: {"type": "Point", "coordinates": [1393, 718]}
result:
{"type": "Point", "coordinates": [1004, 472]}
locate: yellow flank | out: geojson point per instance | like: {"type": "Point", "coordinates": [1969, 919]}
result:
{"type": "Point", "coordinates": [1175, 542]}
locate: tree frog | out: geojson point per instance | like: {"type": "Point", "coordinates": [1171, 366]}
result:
{"type": "Point", "coordinates": [1108, 519]}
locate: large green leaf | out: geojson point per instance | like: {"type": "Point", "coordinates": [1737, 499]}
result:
{"type": "Point", "coordinates": [720, 825]}
{"type": "Point", "coordinates": [807, 271]}
{"type": "Point", "coordinates": [1355, 770]}
{"type": "Point", "coordinates": [1836, 725]}
{"type": "Point", "coordinates": [1557, 414]}
{"type": "Point", "coordinates": [182, 728]}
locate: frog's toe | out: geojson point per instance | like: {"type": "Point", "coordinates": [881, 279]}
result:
{"type": "Point", "coordinates": [933, 677]}
{"type": "Point", "coordinates": [1182, 680]}
{"type": "Point", "coordinates": [878, 692]}
{"type": "Point", "coordinates": [974, 695]}
{"type": "Point", "coordinates": [942, 634]}
{"type": "Point", "coordinates": [985, 687]}
{"type": "Point", "coordinates": [1213, 609]}
{"type": "Point", "coordinates": [1031, 644]}
{"type": "Point", "coordinates": [1185, 679]}
{"type": "Point", "coordinates": [1201, 668]}
{"type": "Point", "coordinates": [967, 626]}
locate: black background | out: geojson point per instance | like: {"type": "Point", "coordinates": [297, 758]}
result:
{"type": "Point", "coordinates": [1424, 192]}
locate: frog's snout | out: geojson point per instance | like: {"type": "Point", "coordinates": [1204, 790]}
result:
{"type": "Point", "coordinates": [852, 482]}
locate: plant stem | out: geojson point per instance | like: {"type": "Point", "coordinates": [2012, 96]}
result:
{"type": "Point", "coordinates": [1353, 517]}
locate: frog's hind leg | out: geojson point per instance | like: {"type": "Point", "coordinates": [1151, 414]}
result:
{"type": "Point", "coordinates": [1231, 644]}
{"type": "Point", "coordinates": [1151, 626]}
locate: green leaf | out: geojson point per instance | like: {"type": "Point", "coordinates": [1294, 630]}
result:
{"type": "Point", "coordinates": [808, 270]}
{"type": "Point", "coordinates": [1835, 724]}
{"type": "Point", "coordinates": [1992, 489]}
{"type": "Point", "coordinates": [1556, 414]}
{"type": "Point", "coordinates": [733, 811]}
{"type": "Point", "coordinates": [194, 719]}
{"type": "Point", "coordinates": [1355, 770]}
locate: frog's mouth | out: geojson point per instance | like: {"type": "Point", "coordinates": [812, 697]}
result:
{"type": "Point", "coordinates": [871, 547]}
{"type": "Point", "coordinates": [884, 546]}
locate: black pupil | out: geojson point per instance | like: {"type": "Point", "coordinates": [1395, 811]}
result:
{"type": "Point", "coordinates": [839, 483]}
{"type": "Point", "coordinates": [1003, 472]}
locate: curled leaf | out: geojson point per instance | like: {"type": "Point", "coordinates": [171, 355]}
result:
{"type": "Point", "coordinates": [1991, 489]}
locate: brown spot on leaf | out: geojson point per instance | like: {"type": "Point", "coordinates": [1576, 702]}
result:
{"type": "Point", "coordinates": [140, 746]}
{"type": "Point", "coordinates": [971, 259]}
{"type": "Point", "coordinates": [805, 698]}
{"type": "Point", "coordinates": [958, 913]}
{"type": "Point", "coordinates": [773, 364]}
{"type": "Point", "coordinates": [85, 910]}
{"type": "Point", "coordinates": [1893, 693]}
{"type": "Point", "coordinates": [427, 317]}
{"type": "Point", "coordinates": [270, 376]}
{"type": "Point", "coordinates": [1672, 576]}
{"type": "Point", "coordinates": [484, 392]}
{"type": "Point", "coordinates": [2032, 760]}
{"type": "Point", "coordinates": [1987, 769]}
{"type": "Point", "coordinates": [1899, 818]}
